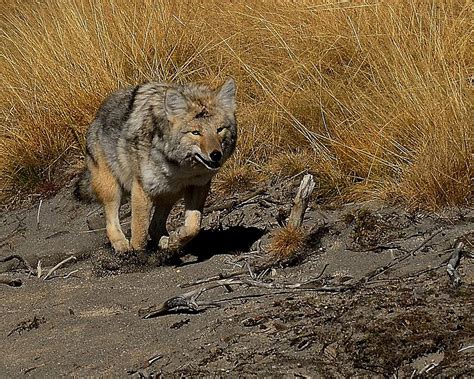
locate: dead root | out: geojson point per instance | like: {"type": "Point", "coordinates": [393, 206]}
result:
{"type": "Point", "coordinates": [453, 263]}
{"type": "Point", "coordinates": [188, 302]}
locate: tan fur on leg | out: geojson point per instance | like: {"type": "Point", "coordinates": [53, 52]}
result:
{"type": "Point", "coordinates": [194, 199]}
{"type": "Point", "coordinates": [109, 193]}
{"type": "Point", "coordinates": [141, 208]}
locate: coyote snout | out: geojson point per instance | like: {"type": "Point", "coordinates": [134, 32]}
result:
{"type": "Point", "coordinates": [210, 154]}
{"type": "Point", "coordinates": [161, 142]}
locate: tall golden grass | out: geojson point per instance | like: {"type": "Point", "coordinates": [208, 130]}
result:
{"type": "Point", "coordinates": [373, 97]}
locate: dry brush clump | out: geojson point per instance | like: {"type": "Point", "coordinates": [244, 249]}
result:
{"type": "Point", "coordinates": [372, 97]}
{"type": "Point", "coordinates": [287, 243]}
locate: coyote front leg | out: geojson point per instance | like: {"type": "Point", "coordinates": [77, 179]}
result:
{"type": "Point", "coordinates": [163, 206]}
{"type": "Point", "coordinates": [194, 199]}
{"type": "Point", "coordinates": [141, 209]}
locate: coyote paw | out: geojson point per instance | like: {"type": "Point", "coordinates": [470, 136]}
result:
{"type": "Point", "coordinates": [121, 246]}
{"type": "Point", "coordinates": [137, 246]}
{"type": "Point", "coordinates": [164, 243]}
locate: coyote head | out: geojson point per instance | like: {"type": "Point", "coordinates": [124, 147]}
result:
{"type": "Point", "coordinates": [202, 124]}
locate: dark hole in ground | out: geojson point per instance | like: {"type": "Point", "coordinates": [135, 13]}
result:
{"type": "Point", "coordinates": [314, 237]}
{"type": "Point", "coordinates": [232, 240]}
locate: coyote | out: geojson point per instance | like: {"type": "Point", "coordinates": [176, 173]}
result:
{"type": "Point", "coordinates": [159, 142]}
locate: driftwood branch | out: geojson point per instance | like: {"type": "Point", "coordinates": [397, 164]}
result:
{"type": "Point", "coordinates": [309, 285]}
{"type": "Point", "coordinates": [301, 201]}
{"type": "Point", "coordinates": [72, 257]}
{"type": "Point", "coordinates": [453, 263]}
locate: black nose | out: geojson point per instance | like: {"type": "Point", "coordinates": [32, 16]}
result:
{"type": "Point", "coordinates": [216, 156]}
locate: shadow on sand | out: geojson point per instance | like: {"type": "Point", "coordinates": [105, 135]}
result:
{"type": "Point", "coordinates": [232, 240]}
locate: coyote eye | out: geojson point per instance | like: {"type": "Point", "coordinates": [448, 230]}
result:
{"type": "Point", "coordinates": [219, 130]}
{"type": "Point", "coordinates": [196, 132]}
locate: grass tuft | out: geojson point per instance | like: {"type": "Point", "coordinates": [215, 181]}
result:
{"type": "Point", "coordinates": [287, 243]}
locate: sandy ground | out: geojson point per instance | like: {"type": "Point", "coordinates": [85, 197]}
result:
{"type": "Point", "coordinates": [408, 320]}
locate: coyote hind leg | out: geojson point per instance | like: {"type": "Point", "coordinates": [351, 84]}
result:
{"type": "Point", "coordinates": [109, 193]}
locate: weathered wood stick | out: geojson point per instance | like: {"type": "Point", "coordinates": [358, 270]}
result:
{"type": "Point", "coordinates": [58, 265]}
{"type": "Point", "coordinates": [453, 264]}
{"type": "Point", "coordinates": [301, 201]}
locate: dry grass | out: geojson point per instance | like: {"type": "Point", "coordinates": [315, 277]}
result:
{"type": "Point", "coordinates": [287, 242]}
{"type": "Point", "coordinates": [373, 97]}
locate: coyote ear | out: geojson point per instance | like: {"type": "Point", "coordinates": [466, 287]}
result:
{"type": "Point", "coordinates": [226, 95]}
{"type": "Point", "coordinates": [175, 103]}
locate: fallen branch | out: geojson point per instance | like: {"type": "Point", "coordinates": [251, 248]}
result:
{"type": "Point", "coordinates": [21, 259]}
{"type": "Point", "coordinates": [58, 265]}
{"type": "Point", "coordinates": [26, 326]}
{"type": "Point", "coordinates": [453, 263]}
{"type": "Point", "coordinates": [309, 285]}
{"type": "Point", "coordinates": [469, 347]}
{"type": "Point", "coordinates": [188, 301]}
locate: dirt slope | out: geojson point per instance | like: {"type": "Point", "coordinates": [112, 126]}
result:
{"type": "Point", "coordinates": [408, 320]}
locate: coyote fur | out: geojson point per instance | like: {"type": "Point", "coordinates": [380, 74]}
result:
{"type": "Point", "coordinates": [159, 142]}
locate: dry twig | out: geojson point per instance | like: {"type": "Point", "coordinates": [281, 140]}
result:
{"type": "Point", "coordinates": [58, 265]}
{"type": "Point", "coordinates": [71, 273]}
{"type": "Point", "coordinates": [38, 214]}
{"type": "Point", "coordinates": [39, 269]}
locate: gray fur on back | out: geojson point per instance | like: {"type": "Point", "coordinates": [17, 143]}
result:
{"type": "Point", "coordinates": [132, 132]}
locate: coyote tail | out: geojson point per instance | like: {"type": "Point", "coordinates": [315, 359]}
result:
{"type": "Point", "coordinates": [83, 190]}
